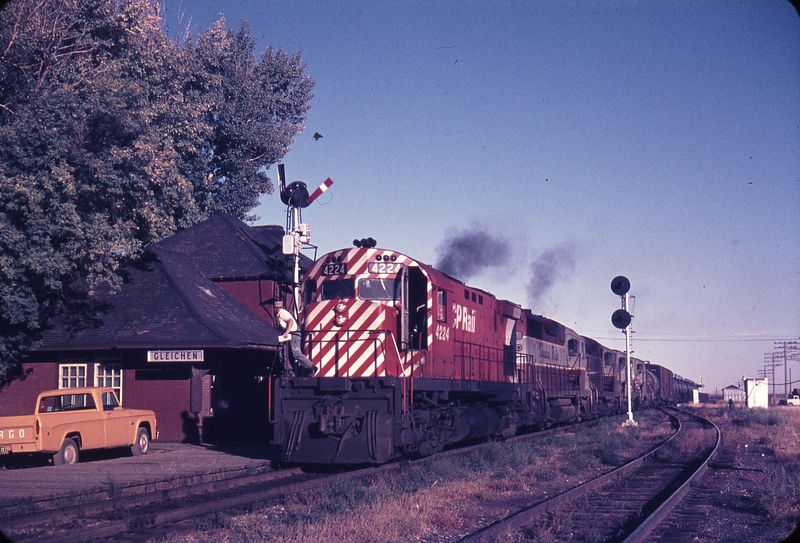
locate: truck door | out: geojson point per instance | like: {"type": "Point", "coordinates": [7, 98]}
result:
{"type": "Point", "coordinates": [119, 427]}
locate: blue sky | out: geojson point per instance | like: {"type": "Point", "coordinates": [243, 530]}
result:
{"type": "Point", "coordinates": [657, 140]}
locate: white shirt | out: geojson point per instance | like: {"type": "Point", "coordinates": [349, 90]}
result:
{"type": "Point", "coordinates": [285, 318]}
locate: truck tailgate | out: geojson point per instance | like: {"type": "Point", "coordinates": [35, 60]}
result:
{"type": "Point", "coordinates": [17, 434]}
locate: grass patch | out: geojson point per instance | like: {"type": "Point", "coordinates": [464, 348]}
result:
{"type": "Point", "coordinates": [441, 495]}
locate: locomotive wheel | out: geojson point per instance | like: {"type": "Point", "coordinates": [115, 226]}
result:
{"type": "Point", "coordinates": [68, 454]}
{"type": "Point", "coordinates": [142, 443]}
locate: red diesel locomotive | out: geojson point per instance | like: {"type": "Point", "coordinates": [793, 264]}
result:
{"type": "Point", "coordinates": [411, 360]}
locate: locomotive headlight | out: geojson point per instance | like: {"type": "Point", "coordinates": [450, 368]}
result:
{"type": "Point", "coordinates": [340, 314]}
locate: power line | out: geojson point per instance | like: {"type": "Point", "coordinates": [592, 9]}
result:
{"type": "Point", "coordinates": [695, 340]}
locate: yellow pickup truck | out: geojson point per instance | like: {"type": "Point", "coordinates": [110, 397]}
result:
{"type": "Point", "coordinates": [73, 419]}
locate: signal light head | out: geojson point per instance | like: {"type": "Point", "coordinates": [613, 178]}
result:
{"type": "Point", "coordinates": [620, 285]}
{"type": "Point", "coordinates": [621, 319]}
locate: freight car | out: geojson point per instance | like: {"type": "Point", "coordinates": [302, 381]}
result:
{"type": "Point", "coordinates": [411, 360]}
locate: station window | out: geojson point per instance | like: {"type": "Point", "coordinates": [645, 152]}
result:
{"type": "Point", "coordinates": [72, 375]}
{"type": "Point", "coordinates": [109, 375]}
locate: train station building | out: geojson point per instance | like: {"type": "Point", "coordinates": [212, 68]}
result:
{"type": "Point", "coordinates": [190, 334]}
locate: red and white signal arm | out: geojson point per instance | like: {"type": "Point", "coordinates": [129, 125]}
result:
{"type": "Point", "coordinates": [322, 188]}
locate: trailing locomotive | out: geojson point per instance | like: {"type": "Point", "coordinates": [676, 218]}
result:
{"type": "Point", "coordinates": [411, 360]}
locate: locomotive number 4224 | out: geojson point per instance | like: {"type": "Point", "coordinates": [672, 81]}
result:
{"type": "Point", "coordinates": [334, 269]}
{"type": "Point", "coordinates": [384, 267]}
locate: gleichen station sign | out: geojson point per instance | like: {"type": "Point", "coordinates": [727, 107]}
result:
{"type": "Point", "coordinates": [175, 356]}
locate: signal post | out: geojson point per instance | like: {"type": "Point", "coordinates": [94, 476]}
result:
{"type": "Point", "coordinates": [621, 318]}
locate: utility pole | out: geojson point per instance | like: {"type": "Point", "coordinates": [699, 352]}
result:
{"type": "Point", "coordinates": [788, 350]}
{"type": "Point", "coordinates": [783, 353]}
{"type": "Point", "coordinates": [769, 361]}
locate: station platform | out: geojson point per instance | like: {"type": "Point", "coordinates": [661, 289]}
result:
{"type": "Point", "coordinates": [117, 474]}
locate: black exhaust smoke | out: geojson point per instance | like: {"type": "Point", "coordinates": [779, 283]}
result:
{"type": "Point", "coordinates": [468, 253]}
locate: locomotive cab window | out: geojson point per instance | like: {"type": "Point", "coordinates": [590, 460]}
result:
{"type": "Point", "coordinates": [572, 347]}
{"type": "Point", "coordinates": [377, 289]}
{"type": "Point", "coordinates": [339, 288]}
{"type": "Point", "coordinates": [309, 291]}
{"type": "Point", "coordinates": [441, 306]}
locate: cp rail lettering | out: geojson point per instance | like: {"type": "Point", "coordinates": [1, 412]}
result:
{"type": "Point", "coordinates": [464, 318]}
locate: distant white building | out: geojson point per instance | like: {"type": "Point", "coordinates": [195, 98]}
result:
{"type": "Point", "coordinates": [756, 392]}
{"type": "Point", "coordinates": [732, 393]}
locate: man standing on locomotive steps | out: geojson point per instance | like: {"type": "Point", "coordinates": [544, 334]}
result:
{"type": "Point", "coordinates": [291, 333]}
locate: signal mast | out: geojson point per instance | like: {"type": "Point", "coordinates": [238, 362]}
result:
{"type": "Point", "coordinates": [295, 195]}
{"type": "Point", "coordinates": [621, 319]}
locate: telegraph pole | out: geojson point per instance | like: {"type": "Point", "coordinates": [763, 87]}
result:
{"type": "Point", "coordinates": [788, 350]}
{"type": "Point", "coordinates": [784, 351]}
{"type": "Point", "coordinates": [769, 362]}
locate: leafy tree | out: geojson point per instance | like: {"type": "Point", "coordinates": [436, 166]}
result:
{"type": "Point", "coordinates": [113, 136]}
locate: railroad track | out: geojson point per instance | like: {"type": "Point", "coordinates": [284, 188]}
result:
{"type": "Point", "coordinates": [131, 514]}
{"type": "Point", "coordinates": [143, 516]}
{"type": "Point", "coordinates": [624, 505]}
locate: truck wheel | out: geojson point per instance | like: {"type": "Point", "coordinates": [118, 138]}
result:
{"type": "Point", "coordinates": [142, 444]}
{"type": "Point", "coordinates": [68, 454]}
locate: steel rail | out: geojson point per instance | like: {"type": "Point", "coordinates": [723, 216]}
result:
{"type": "Point", "coordinates": [651, 522]}
{"type": "Point", "coordinates": [524, 517]}
{"type": "Point", "coordinates": [157, 512]}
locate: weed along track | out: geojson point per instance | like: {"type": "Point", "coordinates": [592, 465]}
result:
{"type": "Point", "coordinates": [136, 514]}
{"type": "Point", "coordinates": [624, 505]}
{"type": "Point", "coordinates": [747, 493]}
{"type": "Point", "coordinates": [286, 497]}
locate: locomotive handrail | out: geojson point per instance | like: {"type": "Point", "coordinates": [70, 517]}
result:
{"type": "Point", "coordinates": [463, 354]}
{"type": "Point", "coordinates": [376, 337]}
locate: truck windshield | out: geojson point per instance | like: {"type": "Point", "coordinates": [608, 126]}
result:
{"type": "Point", "coordinates": [376, 289]}
{"type": "Point", "coordinates": [339, 288]}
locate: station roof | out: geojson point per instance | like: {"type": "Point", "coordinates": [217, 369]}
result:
{"type": "Point", "coordinates": [170, 298]}
{"type": "Point", "coordinates": [225, 248]}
